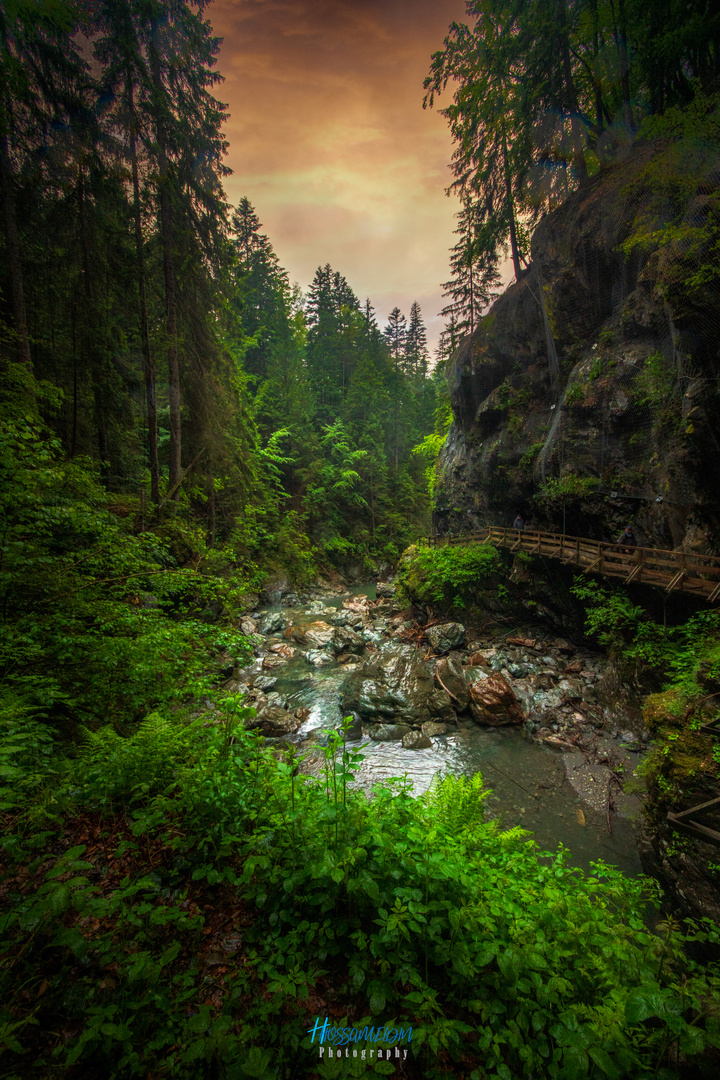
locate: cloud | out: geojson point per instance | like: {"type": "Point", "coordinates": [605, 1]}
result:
{"type": "Point", "coordinates": [329, 140]}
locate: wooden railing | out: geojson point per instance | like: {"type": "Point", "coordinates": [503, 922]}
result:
{"type": "Point", "coordinates": [669, 570]}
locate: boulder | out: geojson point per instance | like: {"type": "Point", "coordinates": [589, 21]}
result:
{"type": "Point", "coordinates": [317, 635]}
{"type": "Point", "coordinates": [319, 657]}
{"type": "Point", "coordinates": [445, 636]}
{"type": "Point", "coordinates": [285, 651]}
{"type": "Point", "coordinates": [247, 625]}
{"type": "Point", "coordinates": [270, 662]}
{"type": "Point", "coordinates": [493, 702]}
{"type": "Point", "coordinates": [416, 740]}
{"type": "Point", "coordinates": [358, 604]}
{"type": "Point", "coordinates": [430, 728]}
{"type": "Point", "coordinates": [394, 685]}
{"type": "Point", "coordinates": [264, 682]}
{"type": "Point", "coordinates": [384, 590]}
{"type": "Point", "coordinates": [389, 732]}
{"type": "Point", "coordinates": [449, 674]}
{"type": "Point", "coordinates": [274, 721]}
{"type": "Point", "coordinates": [270, 623]}
{"type": "Point", "coordinates": [441, 708]}
{"type": "Point", "coordinates": [346, 640]}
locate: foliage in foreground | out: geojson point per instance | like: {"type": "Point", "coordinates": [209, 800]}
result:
{"type": "Point", "coordinates": [203, 903]}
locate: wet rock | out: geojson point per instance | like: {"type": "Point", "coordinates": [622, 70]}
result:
{"type": "Point", "coordinates": [478, 659]}
{"type": "Point", "coordinates": [440, 705]}
{"type": "Point", "coordinates": [493, 702]}
{"type": "Point", "coordinates": [416, 740]}
{"type": "Point", "coordinates": [389, 732]}
{"type": "Point", "coordinates": [527, 643]}
{"type": "Point", "coordinates": [273, 720]}
{"type": "Point", "coordinates": [264, 682]}
{"type": "Point", "coordinates": [449, 674]}
{"type": "Point", "coordinates": [271, 662]}
{"type": "Point", "coordinates": [396, 684]}
{"type": "Point", "coordinates": [319, 657]}
{"type": "Point", "coordinates": [271, 623]}
{"type": "Point", "coordinates": [358, 604]}
{"type": "Point", "coordinates": [430, 728]}
{"type": "Point", "coordinates": [445, 636]}
{"type": "Point", "coordinates": [382, 607]}
{"type": "Point", "coordinates": [384, 590]}
{"type": "Point", "coordinates": [346, 640]}
{"type": "Point", "coordinates": [276, 699]}
{"type": "Point", "coordinates": [247, 625]}
{"type": "Point", "coordinates": [318, 635]}
{"type": "Point", "coordinates": [285, 651]}
{"type": "Point", "coordinates": [341, 618]}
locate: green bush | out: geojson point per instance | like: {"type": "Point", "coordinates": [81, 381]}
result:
{"type": "Point", "coordinates": [505, 961]}
{"type": "Point", "coordinates": [447, 575]}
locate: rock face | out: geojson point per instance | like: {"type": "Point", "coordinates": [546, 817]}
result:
{"type": "Point", "coordinates": [598, 370]}
{"type": "Point", "coordinates": [493, 702]}
{"type": "Point", "coordinates": [397, 686]}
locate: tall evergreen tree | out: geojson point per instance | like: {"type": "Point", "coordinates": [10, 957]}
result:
{"type": "Point", "coordinates": [416, 346]}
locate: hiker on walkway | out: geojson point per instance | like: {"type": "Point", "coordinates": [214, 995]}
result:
{"type": "Point", "coordinates": [518, 523]}
{"type": "Point", "coordinates": [627, 537]}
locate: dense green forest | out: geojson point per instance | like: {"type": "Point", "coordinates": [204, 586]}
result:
{"type": "Point", "coordinates": [180, 427]}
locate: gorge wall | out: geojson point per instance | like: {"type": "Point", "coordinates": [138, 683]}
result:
{"type": "Point", "coordinates": [588, 395]}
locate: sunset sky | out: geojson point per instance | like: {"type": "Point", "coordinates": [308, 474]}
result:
{"type": "Point", "coordinates": [329, 140]}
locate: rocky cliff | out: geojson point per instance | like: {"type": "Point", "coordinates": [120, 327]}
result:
{"type": "Point", "coordinates": [588, 395]}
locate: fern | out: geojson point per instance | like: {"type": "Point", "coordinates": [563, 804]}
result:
{"type": "Point", "coordinates": [456, 803]}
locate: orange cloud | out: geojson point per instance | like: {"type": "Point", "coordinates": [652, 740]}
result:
{"type": "Point", "coordinates": [329, 140]}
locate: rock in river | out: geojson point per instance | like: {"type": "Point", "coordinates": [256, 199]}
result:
{"type": "Point", "coordinates": [446, 636]}
{"type": "Point", "coordinates": [416, 740]}
{"type": "Point", "coordinates": [274, 721]}
{"type": "Point", "coordinates": [493, 702]}
{"type": "Point", "coordinates": [452, 680]}
{"type": "Point", "coordinates": [396, 685]}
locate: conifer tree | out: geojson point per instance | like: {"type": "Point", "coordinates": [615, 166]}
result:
{"type": "Point", "coordinates": [416, 347]}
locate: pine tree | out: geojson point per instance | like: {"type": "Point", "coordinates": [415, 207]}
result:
{"type": "Point", "coordinates": [416, 347]}
{"type": "Point", "coordinates": [473, 263]}
{"type": "Point", "coordinates": [395, 334]}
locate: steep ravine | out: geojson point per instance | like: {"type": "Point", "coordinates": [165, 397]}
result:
{"type": "Point", "coordinates": [588, 398]}
{"type": "Point", "coordinates": [589, 392]}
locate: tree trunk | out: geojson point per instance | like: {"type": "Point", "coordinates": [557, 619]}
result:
{"type": "Point", "coordinates": [166, 237]}
{"type": "Point", "coordinates": [89, 320]}
{"type": "Point", "coordinates": [571, 97]}
{"type": "Point", "coordinates": [13, 252]}
{"type": "Point", "coordinates": [511, 208]}
{"type": "Point", "coordinates": [148, 364]}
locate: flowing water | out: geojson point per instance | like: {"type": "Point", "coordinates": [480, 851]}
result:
{"type": "Point", "coordinates": [556, 795]}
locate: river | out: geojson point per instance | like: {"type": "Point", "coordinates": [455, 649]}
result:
{"type": "Point", "coordinates": [570, 795]}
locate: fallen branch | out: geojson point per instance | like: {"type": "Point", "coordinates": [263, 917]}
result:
{"type": "Point", "coordinates": [446, 689]}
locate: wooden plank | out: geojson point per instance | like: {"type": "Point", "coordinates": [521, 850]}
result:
{"type": "Point", "coordinates": [675, 581]}
{"type": "Point", "coordinates": [715, 594]}
{"type": "Point", "coordinates": [692, 828]}
{"type": "Point", "coordinates": [696, 809]}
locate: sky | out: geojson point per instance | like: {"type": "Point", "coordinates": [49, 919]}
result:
{"type": "Point", "coordinates": [330, 143]}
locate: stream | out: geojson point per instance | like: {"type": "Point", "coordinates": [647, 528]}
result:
{"type": "Point", "coordinates": [558, 773]}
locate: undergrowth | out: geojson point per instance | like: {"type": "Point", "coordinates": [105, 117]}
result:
{"type": "Point", "coordinates": [188, 904]}
{"type": "Point", "coordinates": [446, 575]}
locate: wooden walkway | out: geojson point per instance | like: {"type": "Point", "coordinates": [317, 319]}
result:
{"type": "Point", "coordinates": [672, 571]}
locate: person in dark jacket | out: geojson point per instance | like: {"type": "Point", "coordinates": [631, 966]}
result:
{"type": "Point", "coordinates": [628, 539]}
{"type": "Point", "coordinates": [518, 523]}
